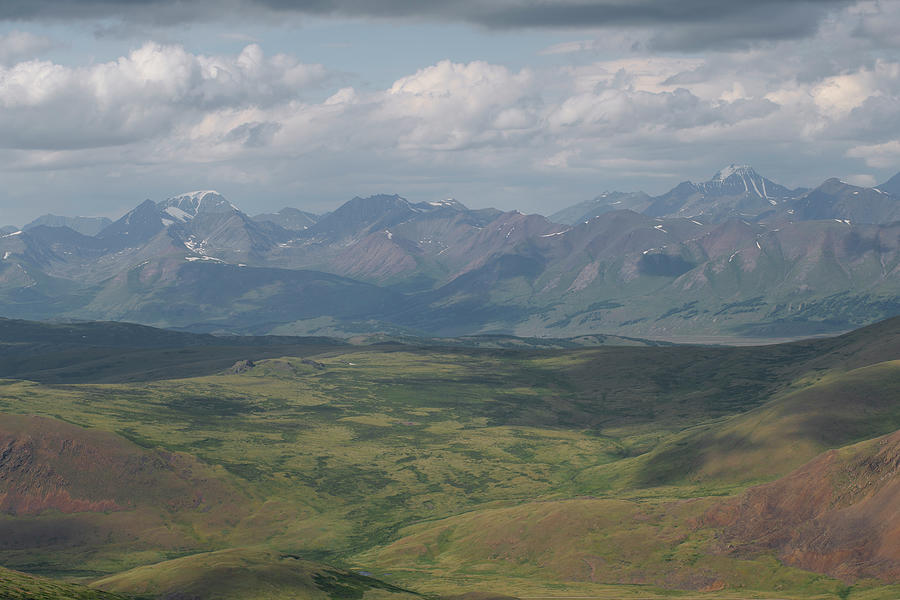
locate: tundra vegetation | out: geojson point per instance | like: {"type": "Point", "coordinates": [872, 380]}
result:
{"type": "Point", "coordinates": [136, 463]}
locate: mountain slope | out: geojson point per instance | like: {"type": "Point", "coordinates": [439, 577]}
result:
{"type": "Point", "coordinates": [605, 202]}
{"type": "Point", "coordinates": [248, 574]}
{"type": "Point", "coordinates": [50, 466]}
{"type": "Point", "coordinates": [216, 296]}
{"type": "Point", "coordinates": [289, 218]}
{"type": "Point", "coordinates": [89, 226]}
{"type": "Point", "coordinates": [20, 586]}
{"type": "Point", "coordinates": [735, 191]}
{"type": "Point", "coordinates": [837, 514]}
{"type": "Point", "coordinates": [808, 263]}
{"type": "Point", "coordinates": [794, 427]}
{"type": "Point", "coordinates": [891, 186]}
{"type": "Point", "coordinates": [837, 200]}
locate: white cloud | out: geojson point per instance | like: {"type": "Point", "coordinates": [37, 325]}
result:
{"type": "Point", "coordinates": [861, 179]}
{"type": "Point", "coordinates": [18, 45]}
{"type": "Point", "coordinates": [162, 112]}
{"type": "Point", "coordinates": [879, 156]}
{"type": "Point", "coordinates": [143, 95]}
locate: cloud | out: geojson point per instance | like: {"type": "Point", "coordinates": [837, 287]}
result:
{"type": "Point", "coordinates": [161, 116]}
{"type": "Point", "coordinates": [876, 22]}
{"type": "Point", "coordinates": [47, 106]}
{"type": "Point", "coordinates": [861, 180]}
{"type": "Point", "coordinates": [686, 24]}
{"type": "Point", "coordinates": [879, 156]}
{"type": "Point", "coordinates": [17, 45]}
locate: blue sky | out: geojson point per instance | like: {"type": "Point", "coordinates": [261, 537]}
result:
{"type": "Point", "coordinates": [528, 105]}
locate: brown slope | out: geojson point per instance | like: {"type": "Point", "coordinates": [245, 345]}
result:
{"type": "Point", "coordinates": [74, 499]}
{"type": "Point", "coordinates": [49, 465]}
{"type": "Point", "coordinates": [839, 514]}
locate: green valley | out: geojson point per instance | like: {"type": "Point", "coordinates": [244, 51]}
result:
{"type": "Point", "coordinates": [155, 464]}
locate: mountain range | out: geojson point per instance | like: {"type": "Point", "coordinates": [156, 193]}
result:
{"type": "Point", "coordinates": [738, 256]}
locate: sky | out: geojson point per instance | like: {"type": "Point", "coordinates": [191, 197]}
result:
{"type": "Point", "coordinates": [520, 104]}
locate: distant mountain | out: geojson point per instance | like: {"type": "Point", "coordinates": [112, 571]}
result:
{"type": "Point", "coordinates": [291, 219]}
{"type": "Point", "coordinates": [89, 226]}
{"type": "Point", "coordinates": [825, 260]}
{"type": "Point", "coordinates": [137, 226]}
{"type": "Point", "coordinates": [364, 215]}
{"type": "Point", "coordinates": [209, 296]}
{"type": "Point", "coordinates": [207, 225]}
{"type": "Point", "coordinates": [7, 229]}
{"type": "Point", "coordinates": [390, 241]}
{"type": "Point", "coordinates": [636, 275]}
{"type": "Point", "coordinates": [891, 186]}
{"type": "Point", "coordinates": [605, 202]}
{"type": "Point", "coordinates": [740, 192]}
{"type": "Point", "coordinates": [735, 191]}
{"type": "Point", "coordinates": [838, 200]}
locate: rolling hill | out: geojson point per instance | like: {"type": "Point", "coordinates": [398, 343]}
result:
{"type": "Point", "coordinates": [279, 466]}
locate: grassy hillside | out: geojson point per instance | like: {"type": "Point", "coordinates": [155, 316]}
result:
{"type": "Point", "coordinates": [531, 472]}
{"type": "Point", "coordinates": [19, 586]}
{"type": "Point", "coordinates": [823, 411]}
{"type": "Point", "coordinates": [837, 514]}
{"type": "Point", "coordinates": [250, 574]}
{"type": "Point", "coordinates": [576, 544]}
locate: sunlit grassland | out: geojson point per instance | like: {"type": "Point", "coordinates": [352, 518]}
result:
{"type": "Point", "coordinates": [19, 586]}
{"type": "Point", "coordinates": [529, 473]}
{"type": "Point", "coordinates": [339, 457]}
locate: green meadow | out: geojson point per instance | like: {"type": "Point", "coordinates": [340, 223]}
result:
{"type": "Point", "coordinates": [439, 470]}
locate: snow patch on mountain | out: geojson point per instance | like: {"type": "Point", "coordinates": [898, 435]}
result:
{"type": "Point", "coordinates": [193, 203]}
{"type": "Point", "coordinates": [740, 170]}
{"type": "Point", "coordinates": [178, 214]}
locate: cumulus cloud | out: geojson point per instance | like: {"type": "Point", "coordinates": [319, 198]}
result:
{"type": "Point", "coordinates": [801, 110]}
{"type": "Point", "coordinates": [142, 95]}
{"type": "Point", "coordinates": [167, 104]}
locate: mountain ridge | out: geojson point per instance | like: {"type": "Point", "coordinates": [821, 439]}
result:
{"type": "Point", "coordinates": [825, 260]}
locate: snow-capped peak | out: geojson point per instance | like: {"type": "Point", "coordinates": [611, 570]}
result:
{"type": "Point", "coordinates": [740, 179]}
{"type": "Point", "coordinates": [741, 170]}
{"type": "Point", "coordinates": [186, 206]}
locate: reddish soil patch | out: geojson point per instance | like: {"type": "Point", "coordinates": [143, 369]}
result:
{"type": "Point", "coordinates": [839, 514]}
